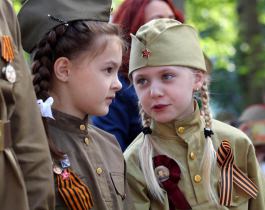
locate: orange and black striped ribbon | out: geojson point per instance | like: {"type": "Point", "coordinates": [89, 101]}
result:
{"type": "Point", "coordinates": [230, 174]}
{"type": "Point", "coordinates": [7, 49]}
{"type": "Point", "coordinates": [74, 192]}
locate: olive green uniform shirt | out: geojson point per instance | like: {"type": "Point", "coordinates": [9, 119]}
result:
{"type": "Point", "coordinates": [26, 180]}
{"type": "Point", "coordinates": [184, 141]}
{"type": "Point", "coordinates": [95, 156]}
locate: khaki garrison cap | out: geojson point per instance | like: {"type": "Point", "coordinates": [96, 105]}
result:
{"type": "Point", "coordinates": [35, 21]}
{"type": "Point", "coordinates": [166, 42]}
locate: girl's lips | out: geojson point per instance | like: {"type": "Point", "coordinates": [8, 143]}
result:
{"type": "Point", "coordinates": [159, 107]}
{"type": "Point", "coordinates": [109, 99]}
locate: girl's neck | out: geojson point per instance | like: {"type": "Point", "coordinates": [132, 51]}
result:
{"type": "Point", "coordinates": [190, 109]}
{"type": "Point", "coordinates": [61, 104]}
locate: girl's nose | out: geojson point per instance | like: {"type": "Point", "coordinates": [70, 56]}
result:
{"type": "Point", "coordinates": [156, 91]}
{"type": "Point", "coordinates": [117, 84]}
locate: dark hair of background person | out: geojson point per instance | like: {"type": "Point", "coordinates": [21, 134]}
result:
{"type": "Point", "coordinates": [131, 16]}
{"type": "Point", "coordinates": [67, 41]}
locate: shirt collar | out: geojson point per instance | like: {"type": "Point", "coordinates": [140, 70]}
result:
{"type": "Point", "coordinates": [69, 122]}
{"type": "Point", "coordinates": [179, 128]}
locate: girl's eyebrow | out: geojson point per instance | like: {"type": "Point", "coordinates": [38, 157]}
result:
{"type": "Point", "coordinates": [139, 76]}
{"type": "Point", "coordinates": [111, 62]}
{"type": "Point", "coordinates": [166, 69]}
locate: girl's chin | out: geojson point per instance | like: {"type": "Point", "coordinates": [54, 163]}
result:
{"type": "Point", "coordinates": [102, 112]}
{"type": "Point", "coordinates": [163, 119]}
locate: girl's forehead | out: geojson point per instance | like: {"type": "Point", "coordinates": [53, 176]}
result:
{"type": "Point", "coordinates": [158, 69]}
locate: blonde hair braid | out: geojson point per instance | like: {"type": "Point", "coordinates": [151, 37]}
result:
{"type": "Point", "coordinates": [209, 157]}
{"type": "Point", "coordinates": [146, 159]}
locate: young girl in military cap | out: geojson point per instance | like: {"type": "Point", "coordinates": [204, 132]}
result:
{"type": "Point", "coordinates": [184, 159]}
{"type": "Point", "coordinates": [76, 57]}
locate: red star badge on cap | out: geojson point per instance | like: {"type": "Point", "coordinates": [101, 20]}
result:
{"type": "Point", "coordinates": [146, 53]}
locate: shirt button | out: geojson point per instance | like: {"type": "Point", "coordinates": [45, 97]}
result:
{"type": "Point", "coordinates": [99, 171]}
{"type": "Point", "coordinates": [181, 130]}
{"type": "Point", "coordinates": [87, 141]}
{"type": "Point", "coordinates": [192, 156]}
{"type": "Point", "coordinates": [197, 178]}
{"type": "Point", "coordinates": [82, 127]}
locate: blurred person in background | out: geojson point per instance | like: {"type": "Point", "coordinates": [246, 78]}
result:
{"type": "Point", "coordinates": [252, 122]}
{"type": "Point", "coordinates": [123, 119]}
{"type": "Point", "coordinates": [25, 162]}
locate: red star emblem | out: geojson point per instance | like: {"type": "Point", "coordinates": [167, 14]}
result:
{"type": "Point", "coordinates": [146, 53]}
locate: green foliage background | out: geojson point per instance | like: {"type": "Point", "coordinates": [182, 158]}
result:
{"type": "Point", "coordinates": [216, 22]}
{"type": "Point", "coordinates": [226, 46]}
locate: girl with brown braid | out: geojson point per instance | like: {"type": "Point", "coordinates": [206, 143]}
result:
{"type": "Point", "coordinates": [184, 159]}
{"type": "Point", "coordinates": [75, 66]}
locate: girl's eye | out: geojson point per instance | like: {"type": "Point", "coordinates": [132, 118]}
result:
{"type": "Point", "coordinates": [109, 70]}
{"type": "Point", "coordinates": [141, 81]}
{"type": "Point", "coordinates": [167, 76]}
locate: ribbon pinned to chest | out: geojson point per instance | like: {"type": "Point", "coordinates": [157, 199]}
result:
{"type": "Point", "coordinates": [168, 174]}
{"type": "Point", "coordinates": [7, 49]}
{"type": "Point", "coordinates": [230, 174]}
{"type": "Point", "coordinates": [75, 193]}
{"type": "Point", "coordinates": [7, 53]}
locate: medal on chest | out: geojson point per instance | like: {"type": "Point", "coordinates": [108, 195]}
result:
{"type": "Point", "coordinates": [168, 173]}
{"type": "Point", "coordinates": [60, 169]}
{"type": "Point", "coordinates": [7, 53]}
{"type": "Point", "coordinates": [70, 187]}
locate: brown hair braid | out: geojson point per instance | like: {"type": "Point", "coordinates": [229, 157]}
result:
{"type": "Point", "coordinates": [43, 60]}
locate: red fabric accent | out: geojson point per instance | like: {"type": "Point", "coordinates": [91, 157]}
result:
{"type": "Point", "coordinates": [175, 196]}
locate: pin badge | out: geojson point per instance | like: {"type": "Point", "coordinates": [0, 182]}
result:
{"type": "Point", "coordinates": [65, 163]}
{"type": "Point", "coordinates": [162, 173]}
{"type": "Point", "coordinates": [10, 73]}
{"type": "Point", "coordinates": [65, 174]}
{"type": "Point", "coordinates": [57, 169]}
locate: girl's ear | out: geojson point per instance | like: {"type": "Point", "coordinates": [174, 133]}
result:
{"type": "Point", "coordinates": [62, 69]}
{"type": "Point", "coordinates": [200, 77]}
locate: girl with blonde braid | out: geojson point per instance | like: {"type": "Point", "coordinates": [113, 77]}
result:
{"type": "Point", "coordinates": [184, 159]}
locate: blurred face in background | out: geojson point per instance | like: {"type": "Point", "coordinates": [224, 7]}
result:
{"type": "Point", "coordinates": [158, 9]}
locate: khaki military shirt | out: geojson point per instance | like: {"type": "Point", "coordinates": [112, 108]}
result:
{"type": "Point", "coordinates": [26, 181]}
{"type": "Point", "coordinates": [95, 157]}
{"type": "Point", "coordinates": [184, 141]}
